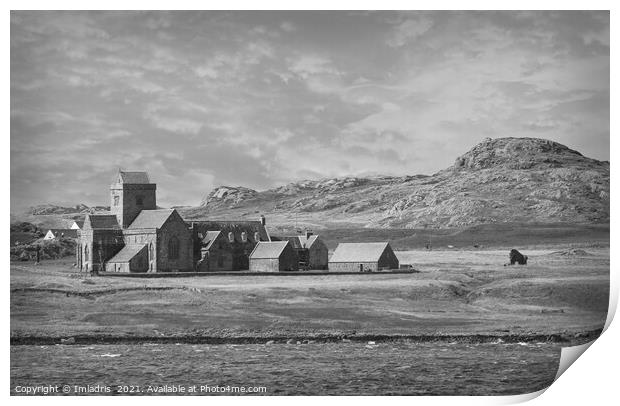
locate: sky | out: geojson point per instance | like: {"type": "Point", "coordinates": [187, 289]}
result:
{"type": "Point", "coordinates": [260, 99]}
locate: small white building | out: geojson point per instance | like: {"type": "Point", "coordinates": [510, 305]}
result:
{"type": "Point", "coordinates": [55, 233]}
{"type": "Point", "coordinates": [77, 225]}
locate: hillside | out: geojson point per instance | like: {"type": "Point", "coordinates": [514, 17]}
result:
{"type": "Point", "coordinates": [503, 180]}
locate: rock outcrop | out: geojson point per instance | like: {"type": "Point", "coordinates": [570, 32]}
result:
{"type": "Point", "coordinates": [524, 180]}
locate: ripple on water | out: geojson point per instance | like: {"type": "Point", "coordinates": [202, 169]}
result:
{"type": "Point", "coordinates": [311, 369]}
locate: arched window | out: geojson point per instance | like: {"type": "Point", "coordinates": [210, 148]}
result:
{"type": "Point", "coordinates": [86, 253]}
{"type": "Point", "coordinates": [244, 236]}
{"type": "Point", "coordinates": [173, 248]}
{"type": "Point", "coordinates": [151, 251]}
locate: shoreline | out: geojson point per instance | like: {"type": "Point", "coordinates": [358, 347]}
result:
{"type": "Point", "coordinates": [574, 338]}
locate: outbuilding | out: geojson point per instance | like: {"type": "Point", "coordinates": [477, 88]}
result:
{"type": "Point", "coordinates": [273, 256]}
{"type": "Point", "coordinates": [363, 257]}
{"type": "Point", "coordinates": [132, 258]}
{"type": "Point", "coordinates": [311, 251]}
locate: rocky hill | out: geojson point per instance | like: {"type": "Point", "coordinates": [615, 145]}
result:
{"type": "Point", "coordinates": [226, 196]}
{"type": "Point", "coordinates": [512, 180]}
{"type": "Point", "coordinates": [49, 209]}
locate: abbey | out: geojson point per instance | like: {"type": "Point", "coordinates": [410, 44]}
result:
{"type": "Point", "coordinates": [138, 237]}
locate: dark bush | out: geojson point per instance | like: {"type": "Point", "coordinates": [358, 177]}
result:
{"type": "Point", "coordinates": [48, 249]}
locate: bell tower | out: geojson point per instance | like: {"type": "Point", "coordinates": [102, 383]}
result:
{"type": "Point", "coordinates": [130, 193]}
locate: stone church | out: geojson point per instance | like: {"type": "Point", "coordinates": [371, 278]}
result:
{"type": "Point", "coordinates": [138, 237]}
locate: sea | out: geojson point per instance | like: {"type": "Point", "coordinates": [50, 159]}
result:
{"type": "Point", "coordinates": [341, 368]}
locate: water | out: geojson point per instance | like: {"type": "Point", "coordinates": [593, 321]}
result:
{"type": "Point", "coordinates": [311, 369]}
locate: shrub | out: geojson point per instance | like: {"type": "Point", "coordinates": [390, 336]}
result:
{"type": "Point", "coordinates": [48, 249]}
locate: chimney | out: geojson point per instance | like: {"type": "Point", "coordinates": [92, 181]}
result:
{"type": "Point", "coordinates": [262, 220]}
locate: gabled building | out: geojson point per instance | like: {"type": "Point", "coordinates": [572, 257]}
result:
{"type": "Point", "coordinates": [77, 225]}
{"type": "Point", "coordinates": [100, 239]}
{"type": "Point", "coordinates": [226, 245]}
{"type": "Point", "coordinates": [138, 237]}
{"type": "Point", "coordinates": [135, 236]}
{"type": "Point", "coordinates": [161, 238]}
{"type": "Point", "coordinates": [311, 251]}
{"type": "Point", "coordinates": [363, 257]}
{"type": "Point", "coordinates": [274, 256]}
{"type": "Point", "coordinates": [56, 233]}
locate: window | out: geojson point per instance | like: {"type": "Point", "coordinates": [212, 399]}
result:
{"type": "Point", "coordinates": [139, 200]}
{"type": "Point", "coordinates": [116, 200]}
{"type": "Point", "coordinates": [244, 236]}
{"type": "Point", "coordinates": [151, 251]}
{"type": "Point", "coordinates": [86, 252]}
{"type": "Point", "coordinates": [173, 248]}
{"type": "Point", "coordinates": [257, 236]}
{"type": "Point", "coordinates": [231, 237]}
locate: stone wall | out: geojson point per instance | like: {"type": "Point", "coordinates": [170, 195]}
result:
{"type": "Point", "coordinates": [144, 237]}
{"type": "Point", "coordinates": [388, 259]}
{"type": "Point", "coordinates": [318, 255]}
{"type": "Point", "coordinates": [174, 227]}
{"type": "Point", "coordinates": [264, 265]}
{"type": "Point", "coordinates": [128, 208]}
{"type": "Point", "coordinates": [288, 261]}
{"type": "Point", "coordinates": [97, 247]}
{"type": "Point", "coordinates": [352, 266]}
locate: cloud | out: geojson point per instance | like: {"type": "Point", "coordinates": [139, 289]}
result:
{"type": "Point", "coordinates": [287, 26]}
{"type": "Point", "coordinates": [201, 99]}
{"type": "Point", "coordinates": [409, 30]}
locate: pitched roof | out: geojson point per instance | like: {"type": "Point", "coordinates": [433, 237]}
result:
{"type": "Point", "coordinates": [151, 218]}
{"type": "Point", "coordinates": [311, 240]}
{"type": "Point", "coordinates": [102, 221]}
{"type": "Point", "coordinates": [79, 223]}
{"type": "Point", "coordinates": [210, 237]}
{"type": "Point", "coordinates": [64, 232]}
{"type": "Point", "coordinates": [237, 227]}
{"type": "Point", "coordinates": [300, 241]}
{"type": "Point", "coordinates": [295, 242]}
{"type": "Point", "coordinates": [127, 253]}
{"type": "Point", "coordinates": [268, 249]}
{"type": "Point", "coordinates": [359, 252]}
{"type": "Point", "coordinates": [133, 177]}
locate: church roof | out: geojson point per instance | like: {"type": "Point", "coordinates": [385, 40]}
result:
{"type": "Point", "coordinates": [359, 252]}
{"type": "Point", "coordinates": [102, 221]}
{"type": "Point", "coordinates": [133, 177]}
{"type": "Point", "coordinates": [210, 237]}
{"type": "Point", "coordinates": [127, 253]}
{"type": "Point", "coordinates": [236, 227]}
{"type": "Point", "coordinates": [268, 249]}
{"type": "Point", "coordinates": [151, 218]}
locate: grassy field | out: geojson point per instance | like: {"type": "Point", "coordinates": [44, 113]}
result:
{"type": "Point", "coordinates": [455, 292]}
{"type": "Point", "coordinates": [500, 235]}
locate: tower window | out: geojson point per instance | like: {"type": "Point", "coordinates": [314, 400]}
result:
{"type": "Point", "coordinates": [139, 200]}
{"type": "Point", "coordinates": [173, 248]}
{"type": "Point", "coordinates": [116, 200]}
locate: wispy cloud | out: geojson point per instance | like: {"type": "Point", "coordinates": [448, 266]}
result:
{"type": "Point", "coordinates": [263, 98]}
